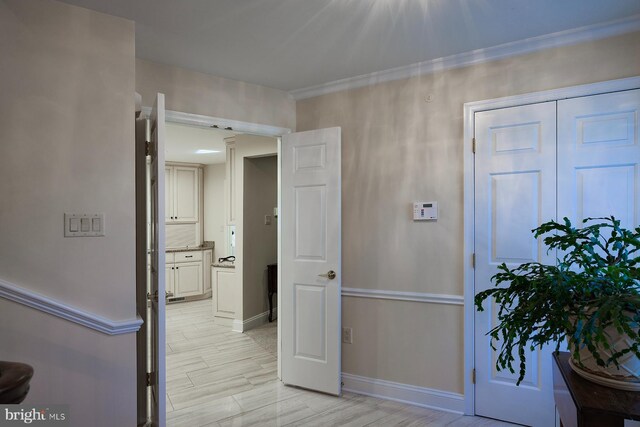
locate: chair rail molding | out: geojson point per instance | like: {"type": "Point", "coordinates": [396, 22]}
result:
{"type": "Point", "coordinates": [56, 308]}
{"type": "Point", "coordinates": [403, 296]}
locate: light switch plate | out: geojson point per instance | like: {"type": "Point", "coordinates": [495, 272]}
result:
{"type": "Point", "coordinates": [92, 224]}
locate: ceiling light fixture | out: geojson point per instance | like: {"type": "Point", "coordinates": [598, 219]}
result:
{"type": "Point", "coordinates": [207, 151]}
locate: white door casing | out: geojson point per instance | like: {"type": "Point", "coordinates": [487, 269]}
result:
{"type": "Point", "coordinates": [599, 157]}
{"type": "Point", "coordinates": [515, 191]}
{"type": "Point", "coordinates": [158, 271]}
{"type": "Point", "coordinates": [310, 216]}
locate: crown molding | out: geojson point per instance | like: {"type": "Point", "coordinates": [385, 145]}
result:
{"type": "Point", "coordinates": [533, 44]}
{"type": "Point", "coordinates": [50, 306]}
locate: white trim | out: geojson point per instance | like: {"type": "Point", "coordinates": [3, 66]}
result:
{"type": "Point", "coordinates": [403, 296]}
{"type": "Point", "coordinates": [533, 44]}
{"type": "Point", "coordinates": [405, 393]}
{"type": "Point", "coordinates": [48, 305]}
{"type": "Point", "coordinates": [470, 108]}
{"type": "Point", "coordinates": [252, 322]}
{"type": "Point", "coordinates": [208, 121]}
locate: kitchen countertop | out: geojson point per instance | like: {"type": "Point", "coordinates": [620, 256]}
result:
{"type": "Point", "coordinates": [223, 265]}
{"type": "Point", "coordinates": [204, 247]}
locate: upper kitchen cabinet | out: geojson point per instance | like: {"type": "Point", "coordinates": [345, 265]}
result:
{"type": "Point", "coordinates": [182, 193]}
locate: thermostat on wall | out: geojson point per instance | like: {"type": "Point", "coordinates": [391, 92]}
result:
{"type": "Point", "coordinates": [425, 211]}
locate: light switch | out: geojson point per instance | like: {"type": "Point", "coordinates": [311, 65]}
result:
{"type": "Point", "coordinates": [83, 225]}
{"type": "Point", "coordinates": [267, 220]}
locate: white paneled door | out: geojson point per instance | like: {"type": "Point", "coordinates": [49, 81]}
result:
{"type": "Point", "coordinates": [599, 156]}
{"type": "Point", "coordinates": [311, 259]}
{"type": "Point", "coordinates": [526, 173]}
{"type": "Point", "coordinates": [157, 247]}
{"type": "Point", "coordinates": [515, 185]}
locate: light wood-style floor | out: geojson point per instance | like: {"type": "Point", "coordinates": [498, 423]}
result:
{"type": "Point", "coordinates": [216, 377]}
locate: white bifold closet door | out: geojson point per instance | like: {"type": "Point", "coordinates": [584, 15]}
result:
{"type": "Point", "coordinates": [526, 175]}
{"type": "Point", "coordinates": [515, 185]}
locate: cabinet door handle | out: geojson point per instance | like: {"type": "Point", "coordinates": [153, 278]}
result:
{"type": "Point", "coordinates": [188, 256]}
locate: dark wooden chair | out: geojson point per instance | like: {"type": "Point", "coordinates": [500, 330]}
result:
{"type": "Point", "coordinates": [14, 382]}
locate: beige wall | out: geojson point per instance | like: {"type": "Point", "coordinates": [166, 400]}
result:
{"type": "Point", "coordinates": [66, 145]}
{"type": "Point", "coordinates": [397, 148]}
{"type": "Point", "coordinates": [214, 218]}
{"type": "Point", "coordinates": [197, 93]}
{"type": "Point", "coordinates": [261, 241]}
{"type": "Point", "coordinates": [246, 146]}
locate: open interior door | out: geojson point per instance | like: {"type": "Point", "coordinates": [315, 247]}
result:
{"type": "Point", "coordinates": [156, 319]}
{"type": "Point", "coordinates": [311, 270]}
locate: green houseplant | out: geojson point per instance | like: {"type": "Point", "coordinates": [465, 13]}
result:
{"type": "Point", "coordinates": [591, 298]}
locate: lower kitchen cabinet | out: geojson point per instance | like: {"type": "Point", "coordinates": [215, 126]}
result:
{"type": "Point", "coordinates": [225, 292]}
{"type": "Point", "coordinates": [188, 279]}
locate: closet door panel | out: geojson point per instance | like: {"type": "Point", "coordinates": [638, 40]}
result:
{"type": "Point", "coordinates": [515, 191]}
{"type": "Point", "coordinates": [599, 157]}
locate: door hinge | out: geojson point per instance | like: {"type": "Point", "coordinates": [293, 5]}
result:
{"type": "Point", "coordinates": [473, 145]}
{"type": "Point", "coordinates": [147, 148]}
{"type": "Point", "coordinates": [473, 376]}
{"type": "Point", "coordinates": [473, 260]}
{"type": "Point", "coordinates": [150, 379]}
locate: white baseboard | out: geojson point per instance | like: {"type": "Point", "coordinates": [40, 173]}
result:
{"type": "Point", "coordinates": [405, 393]}
{"type": "Point", "coordinates": [253, 322]}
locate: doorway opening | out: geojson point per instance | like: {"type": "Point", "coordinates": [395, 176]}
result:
{"type": "Point", "coordinates": [222, 358]}
{"type": "Point", "coordinates": [221, 200]}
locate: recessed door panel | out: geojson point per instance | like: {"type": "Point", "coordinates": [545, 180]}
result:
{"type": "Point", "coordinates": [606, 191]}
{"type": "Point", "coordinates": [516, 137]}
{"type": "Point", "coordinates": [310, 157]}
{"type": "Point", "coordinates": [310, 307]}
{"type": "Point", "coordinates": [607, 128]}
{"type": "Point", "coordinates": [515, 208]}
{"type": "Point", "coordinates": [311, 222]}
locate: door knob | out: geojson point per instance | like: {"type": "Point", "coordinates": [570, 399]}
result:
{"type": "Point", "coordinates": [330, 275]}
{"type": "Point", "coordinates": [168, 294]}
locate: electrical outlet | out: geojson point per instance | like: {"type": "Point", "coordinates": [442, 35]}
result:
{"type": "Point", "coordinates": [347, 335]}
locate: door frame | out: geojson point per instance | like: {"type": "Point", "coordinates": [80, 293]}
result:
{"type": "Point", "coordinates": [470, 108]}
{"type": "Point", "coordinates": [240, 127]}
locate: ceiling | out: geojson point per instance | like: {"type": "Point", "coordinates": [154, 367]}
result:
{"type": "Point", "coordinates": [295, 44]}
{"type": "Point", "coordinates": [183, 142]}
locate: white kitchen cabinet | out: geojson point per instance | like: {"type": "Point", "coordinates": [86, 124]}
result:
{"type": "Point", "coordinates": [182, 193]}
{"type": "Point", "coordinates": [169, 280]}
{"type": "Point", "coordinates": [225, 292]}
{"type": "Point", "coordinates": [184, 274]}
{"type": "Point", "coordinates": [188, 279]}
{"type": "Point", "coordinates": [206, 270]}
